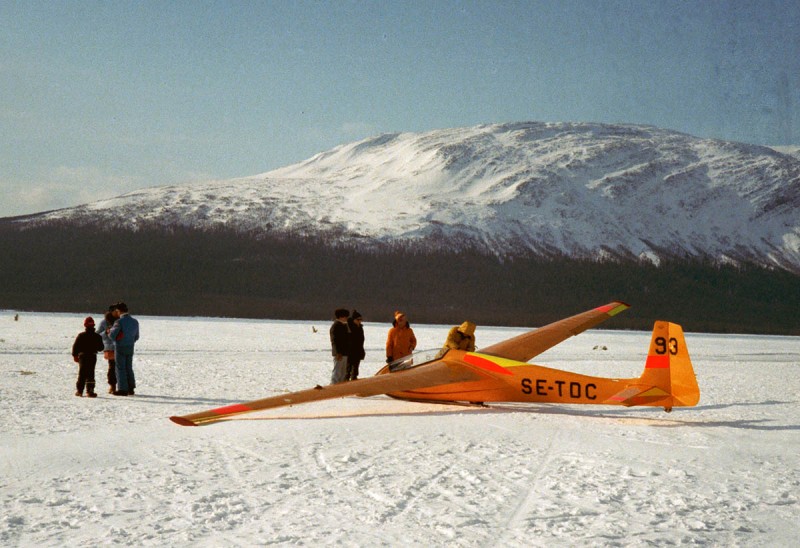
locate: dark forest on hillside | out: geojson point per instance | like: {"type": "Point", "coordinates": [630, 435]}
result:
{"type": "Point", "coordinates": [222, 273]}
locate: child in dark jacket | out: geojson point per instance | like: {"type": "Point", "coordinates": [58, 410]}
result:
{"type": "Point", "coordinates": [84, 352]}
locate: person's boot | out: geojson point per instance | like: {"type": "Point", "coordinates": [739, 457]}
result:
{"type": "Point", "coordinates": [79, 394]}
{"type": "Point", "coordinates": [112, 389]}
{"type": "Point", "coordinates": [90, 390]}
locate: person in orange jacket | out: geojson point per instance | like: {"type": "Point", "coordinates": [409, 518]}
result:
{"type": "Point", "coordinates": [401, 340]}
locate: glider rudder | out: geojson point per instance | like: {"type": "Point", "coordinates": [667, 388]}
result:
{"type": "Point", "coordinates": [669, 367]}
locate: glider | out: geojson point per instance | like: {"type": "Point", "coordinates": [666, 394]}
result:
{"type": "Point", "coordinates": [500, 373]}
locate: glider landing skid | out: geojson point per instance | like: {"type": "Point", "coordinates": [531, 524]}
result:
{"type": "Point", "coordinates": [476, 404]}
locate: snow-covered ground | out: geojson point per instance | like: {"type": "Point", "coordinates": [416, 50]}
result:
{"type": "Point", "coordinates": [382, 472]}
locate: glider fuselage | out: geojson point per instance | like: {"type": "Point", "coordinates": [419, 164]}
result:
{"type": "Point", "coordinates": [510, 381]}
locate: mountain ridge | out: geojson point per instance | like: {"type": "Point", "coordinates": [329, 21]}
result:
{"type": "Point", "coordinates": [576, 189]}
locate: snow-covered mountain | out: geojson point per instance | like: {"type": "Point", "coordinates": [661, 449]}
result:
{"type": "Point", "coordinates": [586, 190]}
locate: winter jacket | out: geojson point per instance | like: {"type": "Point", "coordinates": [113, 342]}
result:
{"type": "Point", "coordinates": [125, 331]}
{"type": "Point", "coordinates": [87, 342]}
{"type": "Point", "coordinates": [400, 343]}
{"type": "Point", "coordinates": [108, 343]}
{"type": "Point", "coordinates": [340, 339]}
{"type": "Point", "coordinates": [461, 337]}
{"type": "Point", "coordinates": [356, 349]}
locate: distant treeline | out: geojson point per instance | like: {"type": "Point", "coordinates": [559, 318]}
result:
{"type": "Point", "coordinates": [186, 272]}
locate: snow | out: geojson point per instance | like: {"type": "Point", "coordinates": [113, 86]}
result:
{"type": "Point", "coordinates": [383, 472]}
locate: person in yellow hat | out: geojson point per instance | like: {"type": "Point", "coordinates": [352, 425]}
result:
{"type": "Point", "coordinates": [461, 337]}
{"type": "Point", "coordinates": [401, 340]}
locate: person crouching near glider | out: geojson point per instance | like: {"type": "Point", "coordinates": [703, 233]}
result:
{"type": "Point", "coordinates": [461, 337]}
{"type": "Point", "coordinates": [401, 340]}
{"type": "Point", "coordinates": [84, 352]}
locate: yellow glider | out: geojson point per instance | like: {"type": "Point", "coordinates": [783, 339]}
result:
{"type": "Point", "coordinates": [500, 373]}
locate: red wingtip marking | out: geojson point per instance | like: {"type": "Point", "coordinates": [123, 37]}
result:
{"type": "Point", "coordinates": [231, 409]}
{"type": "Point", "coordinates": [182, 421]}
{"type": "Point", "coordinates": [613, 308]}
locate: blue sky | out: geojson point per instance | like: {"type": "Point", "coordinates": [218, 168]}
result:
{"type": "Point", "coordinates": [100, 98]}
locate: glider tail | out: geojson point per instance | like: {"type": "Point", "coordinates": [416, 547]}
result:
{"type": "Point", "coordinates": [669, 368]}
{"type": "Point", "coordinates": [668, 380]}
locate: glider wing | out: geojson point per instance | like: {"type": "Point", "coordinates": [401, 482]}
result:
{"type": "Point", "coordinates": [426, 375]}
{"type": "Point", "coordinates": [524, 347]}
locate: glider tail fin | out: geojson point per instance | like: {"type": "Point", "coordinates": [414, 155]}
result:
{"type": "Point", "coordinates": [669, 367]}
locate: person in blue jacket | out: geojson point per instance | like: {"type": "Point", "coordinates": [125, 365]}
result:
{"type": "Point", "coordinates": [125, 333]}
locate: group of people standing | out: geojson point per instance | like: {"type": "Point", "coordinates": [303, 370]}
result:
{"type": "Point", "coordinates": [115, 336]}
{"type": "Point", "coordinates": [347, 342]}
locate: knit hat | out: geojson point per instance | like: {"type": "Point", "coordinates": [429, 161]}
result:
{"type": "Point", "coordinates": [356, 315]}
{"type": "Point", "coordinates": [88, 322]}
{"type": "Point", "coordinates": [398, 315]}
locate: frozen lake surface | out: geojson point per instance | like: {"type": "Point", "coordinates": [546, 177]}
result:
{"type": "Point", "coordinates": [383, 472]}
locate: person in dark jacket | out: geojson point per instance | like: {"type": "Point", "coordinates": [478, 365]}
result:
{"type": "Point", "coordinates": [84, 351]}
{"type": "Point", "coordinates": [108, 348]}
{"type": "Point", "coordinates": [340, 345]}
{"type": "Point", "coordinates": [356, 350]}
{"type": "Point", "coordinates": [124, 333]}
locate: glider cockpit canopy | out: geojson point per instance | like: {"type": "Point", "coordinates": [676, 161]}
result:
{"type": "Point", "coordinates": [416, 359]}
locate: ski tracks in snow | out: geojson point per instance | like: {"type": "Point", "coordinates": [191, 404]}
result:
{"type": "Point", "coordinates": [435, 487]}
{"type": "Point", "coordinates": [512, 531]}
